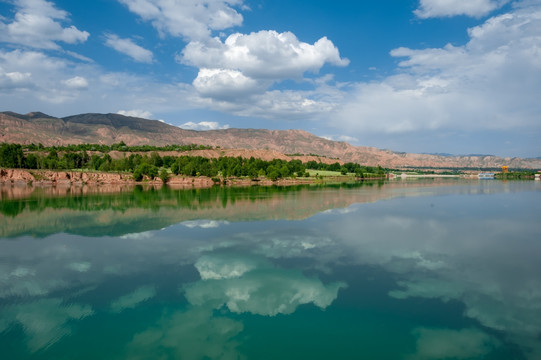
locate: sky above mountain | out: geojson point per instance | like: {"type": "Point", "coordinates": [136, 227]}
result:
{"type": "Point", "coordinates": [432, 76]}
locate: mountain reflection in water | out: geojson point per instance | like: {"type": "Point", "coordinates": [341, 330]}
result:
{"type": "Point", "coordinates": [119, 210]}
{"type": "Point", "coordinates": [400, 270]}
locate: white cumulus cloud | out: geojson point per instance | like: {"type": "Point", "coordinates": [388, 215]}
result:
{"type": "Point", "coordinates": [47, 81]}
{"type": "Point", "coordinates": [193, 19]}
{"type": "Point", "coordinates": [38, 24]}
{"type": "Point", "coordinates": [76, 82]}
{"type": "Point", "coordinates": [14, 79]}
{"type": "Point", "coordinates": [204, 224]}
{"type": "Point", "coordinates": [264, 55]}
{"type": "Point", "coordinates": [345, 138]}
{"type": "Point", "coordinates": [448, 8]}
{"type": "Point", "coordinates": [143, 114]}
{"type": "Point", "coordinates": [128, 47]}
{"type": "Point", "coordinates": [263, 291]}
{"type": "Point", "coordinates": [202, 126]}
{"type": "Point", "coordinates": [275, 104]}
{"type": "Point", "coordinates": [226, 84]}
{"type": "Point", "coordinates": [224, 266]}
{"type": "Point", "coordinates": [236, 75]}
{"type": "Point", "coordinates": [489, 83]}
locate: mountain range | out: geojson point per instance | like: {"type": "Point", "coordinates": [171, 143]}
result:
{"type": "Point", "coordinates": [37, 127]}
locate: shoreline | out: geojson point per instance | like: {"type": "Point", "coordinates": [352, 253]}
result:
{"type": "Point", "coordinates": [45, 178]}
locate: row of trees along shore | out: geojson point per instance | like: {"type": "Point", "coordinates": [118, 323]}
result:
{"type": "Point", "coordinates": [74, 157]}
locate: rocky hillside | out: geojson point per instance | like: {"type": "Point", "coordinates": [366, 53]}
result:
{"type": "Point", "coordinates": [113, 128]}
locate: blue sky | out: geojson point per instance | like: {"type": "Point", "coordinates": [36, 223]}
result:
{"type": "Point", "coordinates": [433, 76]}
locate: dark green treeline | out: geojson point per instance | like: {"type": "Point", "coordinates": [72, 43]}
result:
{"type": "Point", "coordinates": [77, 157]}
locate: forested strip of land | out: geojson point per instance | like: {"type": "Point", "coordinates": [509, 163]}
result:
{"type": "Point", "coordinates": [153, 165]}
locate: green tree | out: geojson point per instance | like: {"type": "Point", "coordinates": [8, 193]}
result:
{"type": "Point", "coordinates": [334, 167]}
{"type": "Point", "coordinates": [284, 171]}
{"type": "Point", "coordinates": [11, 156]}
{"type": "Point", "coordinates": [164, 175]}
{"type": "Point", "coordinates": [31, 162]}
{"type": "Point", "coordinates": [145, 169]}
{"type": "Point", "coordinates": [95, 161]}
{"type": "Point", "coordinates": [121, 146]}
{"type": "Point", "coordinates": [137, 174]}
{"type": "Point", "coordinates": [273, 173]}
{"type": "Point", "coordinates": [155, 159]}
{"type": "Point", "coordinates": [51, 161]}
{"type": "Point", "coordinates": [105, 166]}
{"type": "Point", "coordinates": [152, 172]}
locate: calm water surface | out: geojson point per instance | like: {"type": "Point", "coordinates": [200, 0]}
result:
{"type": "Point", "coordinates": [399, 270]}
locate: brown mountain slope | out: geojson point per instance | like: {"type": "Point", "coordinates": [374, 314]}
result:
{"type": "Point", "coordinates": [113, 128]}
{"type": "Point", "coordinates": [86, 128]}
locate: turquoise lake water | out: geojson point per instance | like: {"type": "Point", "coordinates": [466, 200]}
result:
{"type": "Point", "coordinates": [443, 269]}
